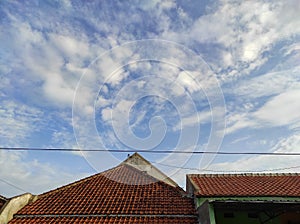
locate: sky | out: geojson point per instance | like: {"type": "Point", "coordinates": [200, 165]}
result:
{"type": "Point", "coordinates": [212, 76]}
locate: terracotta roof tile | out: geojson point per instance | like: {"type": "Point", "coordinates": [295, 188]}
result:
{"type": "Point", "coordinates": [122, 191]}
{"type": "Point", "coordinates": [246, 184]}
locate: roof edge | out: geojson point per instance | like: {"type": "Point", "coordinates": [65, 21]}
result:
{"type": "Point", "coordinates": [259, 174]}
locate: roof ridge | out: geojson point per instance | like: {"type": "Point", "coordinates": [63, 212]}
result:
{"type": "Point", "coordinates": [241, 174]}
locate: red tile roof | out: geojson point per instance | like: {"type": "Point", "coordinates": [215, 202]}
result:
{"type": "Point", "coordinates": [123, 194]}
{"type": "Point", "coordinates": [208, 185]}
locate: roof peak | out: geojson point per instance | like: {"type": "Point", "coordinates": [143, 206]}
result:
{"type": "Point", "coordinates": [139, 162]}
{"type": "Point", "coordinates": [2, 197]}
{"type": "Point", "coordinates": [135, 161]}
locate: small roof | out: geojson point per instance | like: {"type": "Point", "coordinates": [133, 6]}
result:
{"type": "Point", "coordinates": [123, 194]}
{"type": "Point", "coordinates": [214, 185]}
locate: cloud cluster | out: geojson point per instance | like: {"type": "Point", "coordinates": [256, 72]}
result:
{"type": "Point", "coordinates": [59, 56]}
{"type": "Point", "coordinates": [245, 32]}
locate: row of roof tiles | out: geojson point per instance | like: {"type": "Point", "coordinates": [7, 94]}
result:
{"type": "Point", "coordinates": [105, 220]}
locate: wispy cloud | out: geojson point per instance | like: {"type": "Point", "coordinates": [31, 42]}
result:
{"type": "Point", "coordinates": [270, 100]}
{"type": "Point", "coordinates": [244, 33]}
{"type": "Point", "coordinates": [265, 163]}
{"type": "Point", "coordinates": [30, 174]}
{"type": "Point", "coordinates": [281, 110]}
{"type": "Point", "coordinates": [18, 121]}
{"type": "Point", "coordinates": [62, 56]}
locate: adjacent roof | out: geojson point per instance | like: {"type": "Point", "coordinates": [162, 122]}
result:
{"type": "Point", "coordinates": [281, 185]}
{"type": "Point", "coordinates": [123, 194]}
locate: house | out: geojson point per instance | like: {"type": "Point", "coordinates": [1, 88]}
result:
{"type": "Point", "coordinates": [246, 198]}
{"type": "Point", "coordinates": [132, 192]}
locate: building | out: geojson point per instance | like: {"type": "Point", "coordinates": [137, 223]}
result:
{"type": "Point", "coordinates": [246, 198]}
{"type": "Point", "coordinates": [133, 192]}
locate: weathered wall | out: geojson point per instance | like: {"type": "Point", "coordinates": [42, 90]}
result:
{"type": "Point", "coordinates": [206, 213]}
{"type": "Point", "coordinates": [140, 163]}
{"type": "Point", "coordinates": [14, 205]}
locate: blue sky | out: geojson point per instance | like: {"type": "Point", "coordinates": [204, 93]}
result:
{"type": "Point", "coordinates": [151, 75]}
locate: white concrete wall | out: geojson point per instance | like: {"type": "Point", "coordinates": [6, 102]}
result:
{"type": "Point", "coordinates": [137, 161]}
{"type": "Point", "coordinates": [14, 205]}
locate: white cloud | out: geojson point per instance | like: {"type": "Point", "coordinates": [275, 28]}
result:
{"type": "Point", "coordinates": [283, 109]}
{"type": "Point", "coordinates": [237, 121]}
{"type": "Point", "coordinates": [245, 30]}
{"type": "Point", "coordinates": [71, 47]}
{"type": "Point", "coordinates": [292, 48]}
{"type": "Point", "coordinates": [18, 121]}
{"type": "Point", "coordinates": [268, 100]}
{"type": "Point", "coordinates": [30, 175]}
{"type": "Point", "coordinates": [106, 114]}
{"type": "Point", "coordinates": [53, 60]}
{"type": "Point", "coordinates": [187, 81]}
{"type": "Point", "coordinates": [117, 77]}
{"type": "Point", "coordinates": [269, 84]}
{"type": "Point", "coordinates": [57, 90]}
{"type": "Point", "coordinates": [52, 56]}
{"type": "Point", "coordinates": [269, 163]}
{"type": "Point", "coordinates": [193, 120]}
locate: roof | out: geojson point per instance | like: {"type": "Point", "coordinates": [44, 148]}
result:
{"type": "Point", "coordinates": [213, 185]}
{"type": "Point", "coordinates": [123, 194]}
